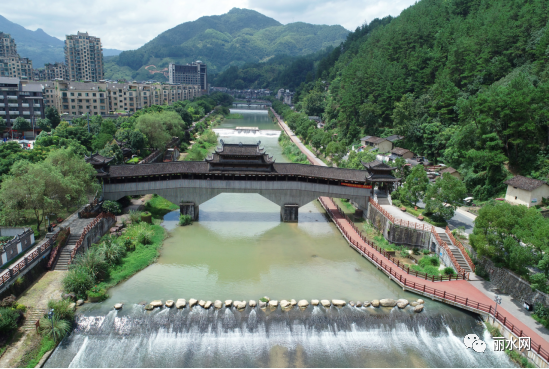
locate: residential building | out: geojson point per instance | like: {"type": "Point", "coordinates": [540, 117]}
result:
{"type": "Point", "coordinates": [526, 191]}
{"type": "Point", "coordinates": [20, 100]}
{"type": "Point", "coordinates": [51, 72]}
{"type": "Point", "coordinates": [84, 57]}
{"type": "Point", "coordinates": [79, 98]}
{"type": "Point", "coordinates": [11, 64]}
{"type": "Point", "coordinates": [373, 142]}
{"type": "Point", "coordinates": [399, 152]}
{"type": "Point", "coordinates": [453, 172]}
{"type": "Point", "coordinates": [189, 74]}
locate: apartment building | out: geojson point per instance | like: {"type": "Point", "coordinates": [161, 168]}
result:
{"type": "Point", "coordinates": [84, 57]}
{"type": "Point", "coordinates": [103, 98]}
{"type": "Point", "coordinates": [11, 64]}
{"type": "Point", "coordinates": [51, 72]}
{"type": "Point", "coordinates": [195, 73]}
{"type": "Point", "coordinates": [20, 100]}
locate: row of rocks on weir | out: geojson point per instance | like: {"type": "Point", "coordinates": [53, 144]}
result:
{"type": "Point", "coordinates": [284, 304]}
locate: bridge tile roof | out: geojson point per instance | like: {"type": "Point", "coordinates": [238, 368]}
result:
{"type": "Point", "coordinates": [202, 167]}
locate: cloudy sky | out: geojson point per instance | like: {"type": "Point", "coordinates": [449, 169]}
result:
{"type": "Point", "coordinates": [128, 24]}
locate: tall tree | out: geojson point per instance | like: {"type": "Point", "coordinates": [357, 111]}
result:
{"type": "Point", "coordinates": [53, 116]}
{"type": "Point", "coordinates": [415, 186]}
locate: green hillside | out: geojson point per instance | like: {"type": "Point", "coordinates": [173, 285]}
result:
{"type": "Point", "coordinates": [465, 81]}
{"type": "Point", "coordinates": [238, 37]}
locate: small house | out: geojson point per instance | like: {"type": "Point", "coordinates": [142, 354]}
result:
{"type": "Point", "coordinates": [525, 191]}
{"type": "Point", "coordinates": [399, 152]}
{"type": "Point", "coordinates": [453, 172]}
{"type": "Point", "coordinates": [377, 143]}
{"type": "Point", "coordinates": [394, 138]}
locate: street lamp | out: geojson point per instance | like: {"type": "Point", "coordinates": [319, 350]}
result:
{"type": "Point", "coordinates": [497, 299]}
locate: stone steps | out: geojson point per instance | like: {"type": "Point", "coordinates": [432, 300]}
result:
{"type": "Point", "coordinates": [383, 201]}
{"type": "Point", "coordinates": [456, 252]}
{"type": "Point", "coordinates": [31, 317]}
{"type": "Point", "coordinates": [65, 254]}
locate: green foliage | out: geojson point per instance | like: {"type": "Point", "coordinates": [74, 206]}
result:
{"type": "Point", "coordinates": [54, 328]}
{"type": "Point", "coordinates": [78, 280]}
{"type": "Point", "coordinates": [538, 281]}
{"type": "Point", "coordinates": [8, 319]}
{"type": "Point", "coordinates": [202, 146]}
{"type": "Point", "coordinates": [61, 309]}
{"type": "Point", "coordinates": [112, 207]}
{"type": "Point", "coordinates": [142, 233]}
{"type": "Point", "coordinates": [185, 220]}
{"type": "Point", "coordinates": [112, 251]}
{"type": "Point", "coordinates": [21, 125]}
{"type": "Point", "coordinates": [93, 262]}
{"type": "Point", "coordinates": [159, 206]}
{"type": "Point", "coordinates": [429, 261]}
{"type": "Point", "coordinates": [415, 186]}
{"type": "Point", "coordinates": [53, 116]}
{"type": "Point", "coordinates": [97, 294]}
{"type": "Point", "coordinates": [135, 216]}
{"type": "Point", "coordinates": [291, 151]}
{"type": "Point", "coordinates": [444, 196]}
{"type": "Point", "coordinates": [449, 271]}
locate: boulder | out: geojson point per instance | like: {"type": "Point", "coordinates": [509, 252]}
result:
{"type": "Point", "coordinates": [72, 306]}
{"type": "Point", "coordinates": [218, 304]}
{"type": "Point", "coordinates": [326, 303]}
{"type": "Point", "coordinates": [303, 303]}
{"type": "Point", "coordinates": [402, 303]}
{"type": "Point", "coordinates": [208, 305]}
{"type": "Point", "coordinates": [352, 303]}
{"type": "Point", "coordinates": [414, 304]}
{"type": "Point", "coordinates": [273, 303]}
{"type": "Point", "coordinates": [358, 304]}
{"type": "Point", "coordinates": [420, 301]}
{"type": "Point", "coordinates": [181, 303]}
{"type": "Point", "coordinates": [70, 296]}
{"type": "Point", "coordinates": [262, 304]}
{"type": "Point", "coordinates": [387, 302]}
{"type": "Point", "coordinates": [8, 301]}
{"type": "Point", "coordinates": [149, 307]}
{"type": "Point", "coordinates": [252, 303]}
{"type": "Point", "coordinates": [338, 303]}
{"type": "Point", "coordinates": [284, 304]}
{"type": "Point", "coordinates": [79, 302]}
{"type": "Point", "coordinates": [315, 302]}
{"type": "Point", "coordinates": [293, 302]}
{"type": "Point", "coordinates": [266, 298]}
{"type": "Point", "coordinates": [192, 302]}
{"type": "Point", "coordinates": [366, 303]}
{"type": "Point", "coordinates": [418, 309]}
{"type": "Point", "coordinates": [241, 305]}
{"type": "Point", "coordinates": [375, 303]}
{"type": "Point", "coordinates": [118, 306]}
{"type": "Point", "coordinates": [202, 303]}
{"type": "Point", "coordinates": [169, 303]}
{"type": "Point", "coordinates": [156, 303]}
{"type": "Point", "coordinates": [228, 303]}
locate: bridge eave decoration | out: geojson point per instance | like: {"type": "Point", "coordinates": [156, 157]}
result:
{"type": "Point", "coordinates": [238, 157]}
{"type": "Point", "coordinates": [379, 172]}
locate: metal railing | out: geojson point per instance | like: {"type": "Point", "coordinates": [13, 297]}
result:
{"type": "Point", "coordinates": [458, 244]}
{"type": "Point", "coordinates": [463, 302]}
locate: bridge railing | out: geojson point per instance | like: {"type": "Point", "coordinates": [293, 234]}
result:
{"type": "Point", "coordinates": [403, 280]}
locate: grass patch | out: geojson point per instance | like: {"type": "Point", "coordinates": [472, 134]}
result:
{"type": "Point", "coordinates": [159, 206]}
{"type": "Point", "coordinates": [33, 356]}
{"type": "Point", "coordinates": [291, 151]}
{"type": "Point", "coordinates": [202, 147]}
{"type": "Point", "coordinates": [419, 212]}
{"type": "Point", "coordinates": [234, 116]}
{"type": "Point", "coordinates": [135, 261]}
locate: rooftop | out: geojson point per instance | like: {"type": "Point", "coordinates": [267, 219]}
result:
{"type": "Point", "coordinates": [399, 151]}
{"type": "Point", "coordinates": [373, 139]}
{"type": "Point", "coordinates": [524, 183]}
{"type": "Point", "coordinates": [394, 138]}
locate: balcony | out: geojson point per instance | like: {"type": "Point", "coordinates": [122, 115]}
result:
{"type": "Point", "coordinates": [13, 105]}
{"type": "Point", "coordinates": [24, 105]}
{"type": "Point", "coordinates": [26, 113]}
{"type": "Point", "coordinates": [2, 105]}
{"type": "Point", "coordinates": [2, 113]}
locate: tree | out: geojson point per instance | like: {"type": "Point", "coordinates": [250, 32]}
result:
{"type": "Point", "coordinates": [444, 196]}
{"type": "Point", "coordinates": [154, 130]}
{"type": "Point", "coordinates": [43, 124]}
{"type": "Point", "coordinates": [113, 150]}
{"type": "Point", "coordinates": [415, 186]}
{"type": "Point", "coordinates": [337, 150]}
{"type": "Point", "coordinates": [21, 125]}
{"type": "Point", "coordinates": [53, 116]}
{"type": "Point", "coordinates": [54, 328]}
{"type": "Point", "coordinates": [3, 125]}
{"type": "Point", "coordinates": [137, 141]}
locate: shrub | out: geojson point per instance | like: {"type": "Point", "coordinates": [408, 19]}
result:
{"type": "Point", "coordinates": [8, 319]}
{"type": "Point", "coordinates": [135, 216]}
{"type": "Point", "coordinates": [127, 242]}
{"type": "Point", "coordinates": [20, 307]}
{"type": "Point", "coordinates": [431, 270]}
{"type": "Point", "coordinates": [54, 328]}
{"type": "Point", "coordinates": [144, 234]}
{"type": "Point", "coordinates": [61, 309]}
{"type": "Point", "coordinates": [449, 271]}
{"type": "Point", "coordinates": [185, 220]}
{"type": "Point", "coordinates": [429, 261]}
{"type": "Point", "coordinates": [112, 207]}
{"type": "Point", "coordinates": [78, 280]}
{"type": "Point", "coordinates": [404, 253]}
{"type": "Point", "coordinates": [97, 294]}
{"type": "Point", "coordinates": [416, 251]}
{"type": "Point", "coordinates": [112, 251]}
{"type": "Point", "coordinates": [93, 261]}
{"type": "Point", "coordinates": [426, 252]}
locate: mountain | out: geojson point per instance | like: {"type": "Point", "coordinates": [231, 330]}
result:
{"type": "Point", "coordinates": [235, 38]}
{"type": "Point", "coordinates": [36, 45]}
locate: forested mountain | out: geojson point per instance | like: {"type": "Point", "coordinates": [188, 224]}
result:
{"type": "Point", "coordinates": [37, 45]}
{"type": "Point", "coordinates": [465, 81]}
{"type": "Point", "coordinates": [235, 38]}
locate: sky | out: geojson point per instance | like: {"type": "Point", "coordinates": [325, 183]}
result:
{"type": "Point", "coordinates": [128, 24]}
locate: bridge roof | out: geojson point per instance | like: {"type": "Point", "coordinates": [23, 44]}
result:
{"type": "Point", "coordinates": [202, 167]}
{"type": "Point", "coordinates": [240, 149]}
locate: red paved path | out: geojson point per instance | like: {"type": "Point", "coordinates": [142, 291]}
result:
{"type": "Point", "coordinates": [460, 288]}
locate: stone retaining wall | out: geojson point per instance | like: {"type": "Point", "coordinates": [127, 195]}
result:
{"type": "Point", "coordinates": [510, 283]}
{"type": "Point", "coordinates": [96, 232]}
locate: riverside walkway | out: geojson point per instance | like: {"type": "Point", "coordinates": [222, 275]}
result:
{"type": "Point", "coordinates": [460, 293]}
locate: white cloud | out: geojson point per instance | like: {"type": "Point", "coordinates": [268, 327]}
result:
{"type": "Point", "coordinates": [128, 24]}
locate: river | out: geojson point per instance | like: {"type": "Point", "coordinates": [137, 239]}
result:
{"type": "Point", "coordinates": [240, 250]}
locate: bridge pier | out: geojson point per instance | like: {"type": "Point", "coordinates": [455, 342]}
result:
{"type": "Point", "coordinates": [289, 213]}
{"type": "Point", "coordinates": [189, 208]}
